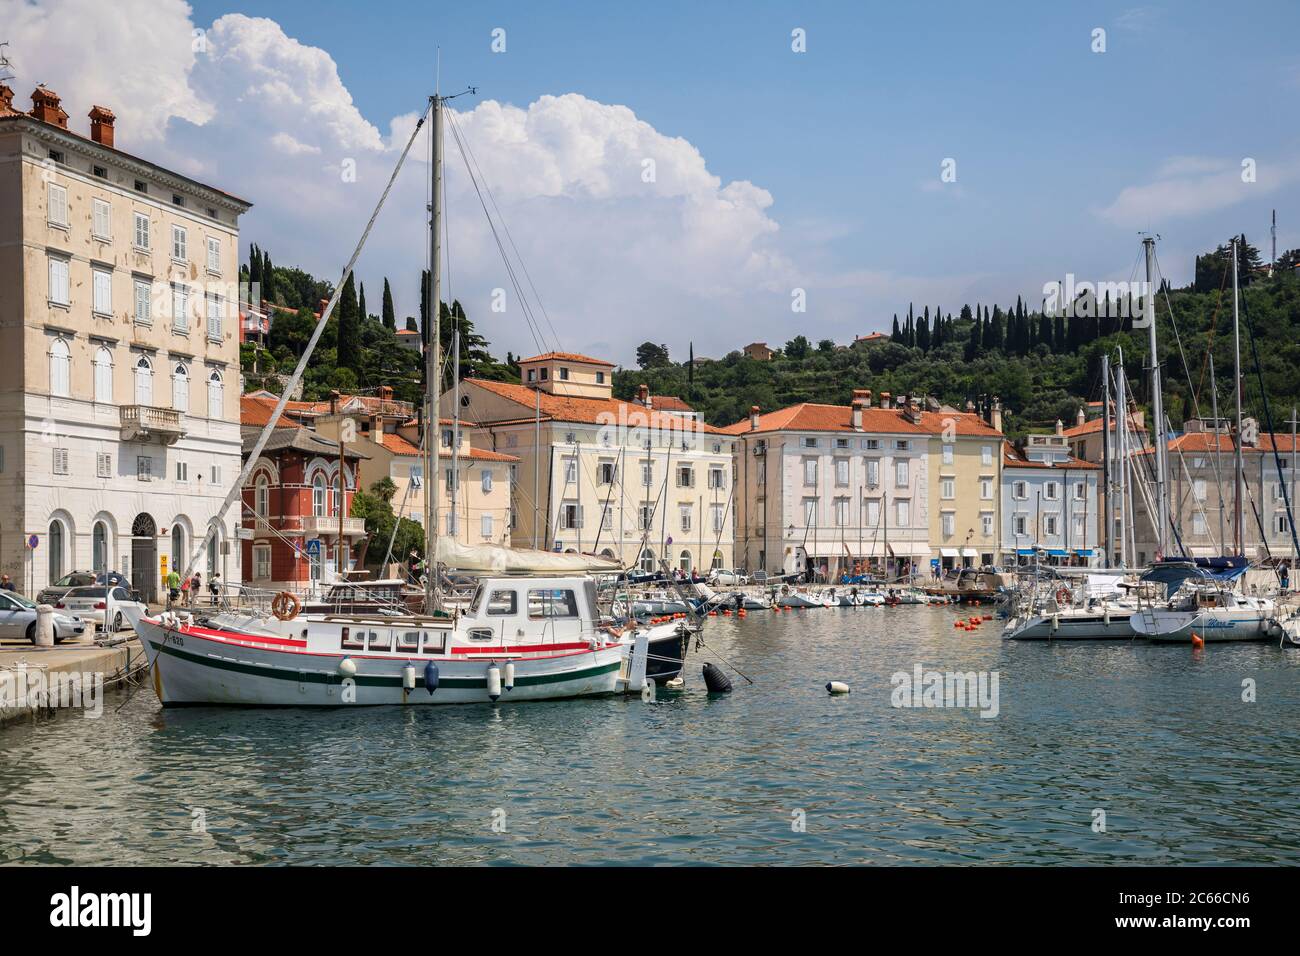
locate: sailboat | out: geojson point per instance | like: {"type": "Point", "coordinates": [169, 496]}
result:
{"type": "Point", "coordinates": [531, 630]}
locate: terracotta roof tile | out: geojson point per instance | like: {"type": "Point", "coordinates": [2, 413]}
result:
{"type": "Point", "coordinates": [1012, 458]}
{"type": "Point", "coordinates": [586, 411]}
{"type": "Point", "coordinates": [810, 417]}
{"type": "Point", "coordinates": [1093, 425]}
{"type": "Point", "coordinates": [566, 357]}
{"type": "Point", "coordinates": [400, 446]}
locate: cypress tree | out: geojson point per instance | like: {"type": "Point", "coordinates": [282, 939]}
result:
{"type": "Point", "coordinates": [361, 303]}
{"type": "Point", "coordinates": [349, 344]}
{"type": "Point", "coordinates": [390, 316]}
{"type": "Point", "coordinates": [897, 334]}
{"type": "Point", "coordinates": [923, 331]}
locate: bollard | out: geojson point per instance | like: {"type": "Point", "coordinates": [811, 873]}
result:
{"type": "Point", "coordinates": [44, 625]}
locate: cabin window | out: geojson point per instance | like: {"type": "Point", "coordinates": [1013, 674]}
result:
{"type": "Point", "coordinates": [435, 643]}
{"type": "Point", "coordinates": [503, 603]}
{"type": "Point", "coordinates": [552, 603]}
{"type": "Point", "coordinates": [408, 641]}
{"type": "Point", "coordinates": [350, 643]}
{"type": "Point", "coordinates": [381, 640]}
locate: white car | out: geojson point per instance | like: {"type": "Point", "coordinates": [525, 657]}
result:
{"type": "Point", "coordinates": [18, 619]}
{"type": "Point", "coordinates": [721, 576]}
{"type": "Point", "coordinates": [101, 606]}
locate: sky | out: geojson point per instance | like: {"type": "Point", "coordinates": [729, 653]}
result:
{"type": "Point", "coordinates": [709, 173]}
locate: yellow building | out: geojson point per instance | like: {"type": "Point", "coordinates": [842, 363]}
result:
{"type": "Point", "coordinates": [966, 472]}
{"type": "Point", "coordinates": [601, 475]}
{"type": "Point", "coordinates": [119, 354]}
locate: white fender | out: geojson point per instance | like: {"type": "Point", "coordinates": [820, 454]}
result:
{"type": "Point", "coordinates": [508, 675]}
{"type": "Point", "coordinates": [348, 667]}
{"type": "Point", "coordinates": [494, 682]}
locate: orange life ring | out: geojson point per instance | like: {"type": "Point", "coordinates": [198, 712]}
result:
{"type": "Point", "coordinates": [286, 606]}
{"type": "Point", "coordinates": [1064, 596]}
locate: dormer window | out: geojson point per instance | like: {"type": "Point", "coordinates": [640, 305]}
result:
{"type": "Point", "coordinates": [600, 378]}
{"type": "Point", "coordinates": [543, 373]}
{"type": "Point", "coordinates": [564, 373]}
{"type": "Point", "coordinates": [532, 375]}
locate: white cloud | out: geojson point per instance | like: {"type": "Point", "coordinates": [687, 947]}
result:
{"type": "Point", "coordinates": [1193, 185]}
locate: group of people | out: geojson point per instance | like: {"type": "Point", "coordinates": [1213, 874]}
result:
{"type": "Point", "coordinates": [186, 590]}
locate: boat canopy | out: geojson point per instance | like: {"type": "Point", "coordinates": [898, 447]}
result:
{"type": "Point", "coordinates": [501, 560]}
{"type": "Point", "coordinates": [1172, 572]}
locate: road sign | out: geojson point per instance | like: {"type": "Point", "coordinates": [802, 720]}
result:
{"type": "Point", "coordinates": [313, 547]}
{"type": "Point", "coordinates": [33, 541]}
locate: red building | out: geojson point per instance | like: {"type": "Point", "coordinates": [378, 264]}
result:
{"type": "Point", "coordinates": [291, 500]}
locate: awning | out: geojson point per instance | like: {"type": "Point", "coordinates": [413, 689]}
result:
{"type": "Point", "coordinates": [949, 552]}
{"type": "Point", "coordinates": [1058, 552]}
{"type": "Point", "coordinates": [1024, 551]}
{"type": "Point", "coordinates": [969, 553]}
{"type": "Point", "coordinates": [1083, 552]}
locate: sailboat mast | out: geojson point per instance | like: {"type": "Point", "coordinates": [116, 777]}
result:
{"type": "Point", "coordinates": [1121, 432]}
{"type": "Point", "coordinates": [1218, 453]}
{"type": "Point", "coordinates": [1239, 476]}
{"type": "Point", "coordinates": [433, 367]}
{"type": "Point", "coordinates": [1157, 404]}
{"type": "Point", "coordinates": [1108, 518]}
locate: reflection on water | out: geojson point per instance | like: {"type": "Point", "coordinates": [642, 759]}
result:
{"type": "Point", "coordinates": [1156, 736]}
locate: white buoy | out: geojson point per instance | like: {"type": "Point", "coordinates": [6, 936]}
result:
{"type": "Point", "coordinates": [837, 687]}
{"type": "Point", "coordinates": [408, 677]}
{"type": "Point", "coordinates": [675, 683]}
{"type": "Point", "coordinates": [648, 692]}
{"type": "Point", "coordinates": [348, 667]}
{"type": "Point", "coordinates": [494, 682]}
{"type": "Point", "coordinates": [508, 675]}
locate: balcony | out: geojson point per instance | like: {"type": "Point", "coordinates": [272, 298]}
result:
{"type": "Point", "coordinates": [327, 526]}
{"type": "Point", "coordinates": [145, 423]}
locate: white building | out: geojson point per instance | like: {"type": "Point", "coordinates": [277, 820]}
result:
{"type": "Point", "coordinates": [1050, 503]}
{"type": "Point", "coordinates": [119, 355]}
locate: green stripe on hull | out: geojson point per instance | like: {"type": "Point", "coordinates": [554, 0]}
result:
{"type": "Point", "coordinates": [374, 680]}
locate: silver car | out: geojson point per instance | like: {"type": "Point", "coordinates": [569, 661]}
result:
{"type": "Point", "coordinates": [18, 619]}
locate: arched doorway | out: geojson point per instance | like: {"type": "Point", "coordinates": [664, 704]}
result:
{"type": "Point", "coordinates": [144, 557]}
{"type": "Point", "coordinates": [684, 561]}
{"type": "Point", "coordinates": [179, 556]}
{"type": "Point", "coordinates": [56, 543]}
{"type": "Point", "coordinates": [647, 560]}
{"type": "Point", "coordinates": [99, 547]}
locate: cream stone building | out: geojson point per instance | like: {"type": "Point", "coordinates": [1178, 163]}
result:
{"type": "Point", "coordinates": [601, 475]}
{"type": "Point", "coordinates": [119, 355]}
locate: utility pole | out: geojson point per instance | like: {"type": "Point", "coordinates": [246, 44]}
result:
{"type": "Point", "coordinates": [1157, 403]}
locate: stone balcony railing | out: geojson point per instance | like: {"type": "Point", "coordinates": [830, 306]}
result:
{"type": "Point", "coordinates": [147, 423]}
{"type": "Point", "coordinates": [327, 526]}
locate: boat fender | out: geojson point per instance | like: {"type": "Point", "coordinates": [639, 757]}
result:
{"type": "Point", "coordinates": [493, 682]}
{"type": "Point", "coordinates": [716, 681]}
{"type": "Point", "coordinates": [837, 687]}
{"type": "Point", "coordinates": [1197, 641]}
{"type": "Point", "coordinates": [408, 677]}
{"type": "Point", "coordinates": [431, 677]}
{"type": "Point", "coordinates": [648, 692]}
{"type": "Point", "coordinates": [347, 667]}
{"type": "Point", "coordinates": [508, 675]}
{"type": "Point", "coordinates": [1105, 617]}
{"type": "Point", "coordinates": [1056, 622]}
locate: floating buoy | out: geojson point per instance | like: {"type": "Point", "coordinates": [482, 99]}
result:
{"type": "Point", "coordinates": [348, 667]}
{"type": "Point", "coordinates": [716, 681]}
{"type": "Point", "coordinates": [988, 617]}
{"type": "Point", "coordinates": [431, 677]}
{"type": "Point", "coordinates": [408, 677]}
{"type": "Point", "coordinates": [958, 623]}
{"type": "Point", "coordinates": [726, 613]}
{"type": "Point", "coordinates": [837, 687]}
{"type": "Point", "coordinates": [1197, 641]}
{"type": "Point", "coordinates": [508, 674]}
{"type": "Point", "coordinates": [675, 683]}
{"type": "Point", "coordinates": [713, 614]}
{"type": "Point", "coordinates": [742, 613]}
{"type": "Point", "coordinates": [494, 682]}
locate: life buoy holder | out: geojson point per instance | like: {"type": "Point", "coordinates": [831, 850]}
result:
{"type": "Point", "coordinates": [1064, 596]}
{"type": "Point", "coordinates": [285, 606]}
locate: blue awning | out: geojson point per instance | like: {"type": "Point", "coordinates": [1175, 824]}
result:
{"type": "Point", "coordinates": [1083, 552]}
{"type": "Point", "coordinates": [1058, 553]}
{"type": "Point", "coordinates": [1024, 551]}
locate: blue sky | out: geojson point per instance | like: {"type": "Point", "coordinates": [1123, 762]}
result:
{"type": "Point", "coordinates": [1062, 154]}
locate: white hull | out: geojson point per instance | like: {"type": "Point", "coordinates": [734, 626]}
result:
{"type": "Point", "coordinates": [194, 665]}
{"type": "Point", "coordinates": [1210, 624]}
{"type": "Point", "coordinates": [1089, 626]}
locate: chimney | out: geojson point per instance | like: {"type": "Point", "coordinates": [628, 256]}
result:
{"type": "Point", "coordinates": [884, 399]}
{"type": "Point", "coordinates": [970, 407]}
{"type": "Point", "coordinates": [1080, 418]}
{"type": "Point", "coordinates": [913, 410]}
{"type": "Point", "coordinates": [101, 126]}
{"type": "Point", "coordinates": [46, 108]}
{"type": "Point", "coordinates": [866, 398]}
{"type": "Point", "coordinates": [6, 99]}
{"type": "Point", "coordinates": [385, 393]}
{"type": "Point", "coordinates": [753, 418]}
{"type": "Point", "coordinates": [643, 395]}
{"type": "Point", "coordinates": [857, 413]}
{"type": "Point", "coordinates": [1060, 425]}
{"type": "Point", "coordinates": [995, 415]}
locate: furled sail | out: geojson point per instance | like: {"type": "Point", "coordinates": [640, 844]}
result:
{"type": "Point", "coordinates": [501, 560]}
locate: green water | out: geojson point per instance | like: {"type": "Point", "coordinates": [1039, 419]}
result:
{"type": "Point", "coordinates": [1157, 737]}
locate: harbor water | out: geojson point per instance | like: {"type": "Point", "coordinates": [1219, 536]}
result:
{"type": "Point", "coordinates": [1099, 753]}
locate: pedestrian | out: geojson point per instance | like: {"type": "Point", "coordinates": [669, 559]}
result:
{"type": "Point", "coordinates": [196, 585]}
{"type": "Point", "coordinates": [214, 586]}
{"type": "Point", "coordinates": [6, 584]}
{"type": "Point", "coordinates": [184, 593]}
{"type": "Point", "coordinates": [1286, 577]}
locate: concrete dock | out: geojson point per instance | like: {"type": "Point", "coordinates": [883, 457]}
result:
{"type": "Point", "coordinates": [39, 681]}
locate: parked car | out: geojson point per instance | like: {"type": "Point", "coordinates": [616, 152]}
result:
{"type": "Point", "coordinates": [100, 605]}
{"type": "Point", "coordinates": [51, 594]}
{"type": "Point", "coordinates": [726, 577]}
{"type": "Point", "coordinates": [18, 619]}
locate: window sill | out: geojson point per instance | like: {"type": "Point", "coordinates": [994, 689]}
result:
{"type": "Point", "coordinates": [142, 250]}
{"type": "Point", "coordinates": [99, 238]}
{"type": "Point", "coordinates": [101, 315]}
{"type": "Point", "coordinates": [61, 226]}
{"type": "Point", "coordinates": [65, 306]}
{"type": "Point", "coordinates": [183, 263]}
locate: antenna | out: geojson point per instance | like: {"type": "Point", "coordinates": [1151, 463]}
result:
{"type": "Point", "coordinates": [5, 65]}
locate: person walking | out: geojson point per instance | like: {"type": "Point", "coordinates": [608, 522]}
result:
{"type": "Point", "coordinates": [182, 595]}
{"type": "Point", "coordinates": [6, 584]}
{"type": "Point", "coordinates": [196, 585]}
{"type": "Point", "coordinates": [214, 586]}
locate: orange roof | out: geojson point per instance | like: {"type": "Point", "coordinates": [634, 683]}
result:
{"type": "Point", "coordinates": [400, 446]}
{"type": "Point", "coordinates": [255, 411]}
{"type": "Point", "coordinates": [669, 403]}
{"type": "Point", "coordinates": [1013, 458]}
{"type": "Point", "coordinates": [586, 411]}
{"type": "Point", "coordinates": [1210, 441]}
{"type": "Point", "coordinates": [810, 417]}
{"type": "Point", "coordinates": [566, 357]}
{"type": "Point", "coordinates": [1093, 425]}
{"type": "Point", "coordinates": [408, 331]}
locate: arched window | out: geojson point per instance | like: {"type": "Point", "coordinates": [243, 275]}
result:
{"type": "Point", "coordinates": [318, 496]}
{"type": "Point", "coordinates": [213, 547]}
{"type": "Point", "coordinates": [647, 560]}
{"type": "Point", "coordinates": [144, 381]}
{"type": "Point", "coordinates": [685, 561]}
{"type": "Point", "coordinates": [56, 550]}
{"type": "Point", "coordinates": [216, 395]}
{"type": "Point", "coordinates": [717, 561]}
{"type": "Point", "coordinates": [99, 547]}
{"type": "Point", "coordinates": [60, 368]}
{"type": "Point", "coordinates": [181, 388]}
{"type": "Point", "coordinates": [179, 556]}
{"type": "Point", "coordinates": [103, 374]}
{"type": "Point", "coordinates": [262, 497]}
